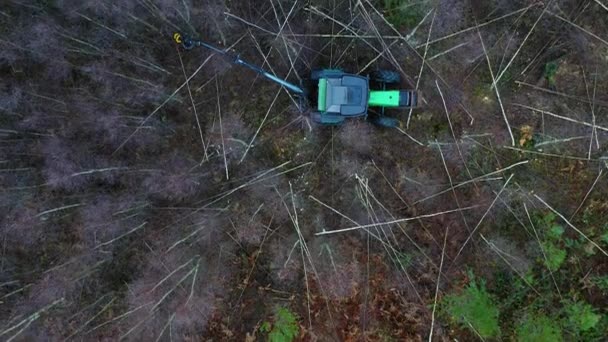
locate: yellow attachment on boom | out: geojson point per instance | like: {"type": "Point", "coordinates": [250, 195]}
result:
{"type": "Point", "coordinates": [177, 38]}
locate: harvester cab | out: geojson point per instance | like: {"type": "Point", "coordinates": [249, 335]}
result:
{"type": "Point", "coordinates": [338, 95]}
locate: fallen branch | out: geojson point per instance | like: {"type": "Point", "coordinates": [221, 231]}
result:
{"type": "Point", "coordinates": [483, 217]}
{"type": "Point", "coordinates": [562, 117]}
{"type": "Point", "coordinates": [327, 232]}
{"type": "Point", "coordinates": [601, 4]}
{"type": "Point", "coordinates": [445, 239]}
{"type": "Point", "coordinates": [495, 86]}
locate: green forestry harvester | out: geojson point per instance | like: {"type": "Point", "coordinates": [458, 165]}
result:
{"type": "Point", "coordinates": [334, 94]}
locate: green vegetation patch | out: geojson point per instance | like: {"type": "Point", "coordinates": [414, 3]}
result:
{"type": "Point", "coordinates": [555, 256]}
{"type": "Point", "coordinates": [581, 316]}
{"type": "Point", "coordinates": [550, 72]}
{"type": "Point", "coordinates": [552, 245]}
{"type": "Point", "coordinates": [601, 282]}
{"type": "Point", "coordinates": [285, 327]}
{"type": "Point", "coordinates": [475, 308]}
{"type": "Point", "coordinates": [404, 13]}
{"type": "Point", "coordinates": [538, 329]}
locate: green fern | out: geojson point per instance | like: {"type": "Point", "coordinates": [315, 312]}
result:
{"type": "Point", "coordinates": [538, 329]}
{"type": "Point", "coordinates": [555, 256]}
{"type": "Point", "coordinates": [285, 327]}
{"type": "Point", "coordinates": [555, 232]}
{"type": "Point", "coordinates": [601, 282]}
{"type": "Point", "coordinates": [475, 307]}
{"type": "Point", "coordinates": [581, 316]}
{"type": "Point", "coordinates": [604, 238]}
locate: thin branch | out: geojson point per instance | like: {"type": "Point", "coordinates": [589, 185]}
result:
{"type": "Point", "coordinates": [261, 125]}
{"type": "Point", "coordinates": [562, 117]}
{"type": "Point", "coordinates": [500, 254]}
{"type": "Point", "coordinates": [588, 193]}
{"type": "Point", "coordinates": [473, 180]}
{"type": "Point", "coordinates": [168, 99]}
{"type": "Point", "coordinates": [478, 26]}
{"type": "Point", "coordinates": [193, 282]}
{"type": "Point", "coordinates": [120, 34]}
{"type": "Point", "coordinates": [482, 218]}
{"type": "Point", "coordinates": [123, 235]}
{"type": "Point", "coordinates": [553, 155]}
{"type": "Point", "coordinates": [29, 320]}
{"type": "Point", "coordinates": [46, 212]}
{"type": "Point", "coordinates": [540, 245]}
{"type": "Point", "coordinates": [179, 282]}
{"type": "Point", "coordinates": [447, 114]}
{"type": "Point", "coordinates": [579, 27]}
{"type": "Point", "coordinates": [593, 118]}
{"type": "Point", "coordinates": [90, 172]}
{"type": "Point", "coordinates": [456, 200]}
{"type": "Point", "coordinates": [426, 50]}
{"type": "Point", "coordinates": [443, 53]}
{"type": "Point", "coordinates": [495, 86]}
{"type": "Point", "coordinates": [327, 232]}
{"type": "Point", "coordinates": [198, 122]}
{"type": "Point", "coordinates": [549, 91]}
{"type": "Point", "coordinates": [409, 136]}
{"type": "Point", "coordinates": [445, 239]}
{"type": "Point", "coordinates": [602, 4]}
{"type": "Point", "coordinates": [523, 42]}
{"type": "Point", "coordinates": [104, 308]}
{"type": "Point", "coordinates": [219, 113]}
{"type": "Point", "coordinates": [119, 317]}
{"type": "Point", "coordinates": [179, 242]}
{"type": "Point", "coordinates": [169, 322]}
{"type": "Point", "coordinates": [170, 274]}
{"type": "Point", "coordinates": [143, 122]}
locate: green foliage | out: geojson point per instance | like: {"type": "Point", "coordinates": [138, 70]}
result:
{"type": "Point", "coordinates": [592, 218]}
{"type": "Point", "coordinates": [266, 327]}
{"type": "Point", "coordinates": [601, 282]}
{"type": "Point", "coordinates": [549, 218]}
{"type": "Point", "coordinates": [555, 232]}
{"type": "Point", "coordinates": [581, 244]}
{"type": "Point", "coordinates": [403, 13]}
{"type": "Point", "coordinates": [404, 259]}
{"type": "Point", "coordinates": [538, 329]}
{"type": "Point", "coordinates": [595, 223]}
{"type": "Point", "coordinates": [510, 288]}
{"type": "Point", "coordinates": [581, 316]}
{"type": "Point", "coordinates": [604, 238]}
{"type": "Point", "coordinates": [284, 329]}
{"type": "Point", "coordinates": [552, 244]}
{"type": "Point", "coordinates": [555, 256]}
{"type": "Point", "coordinates": [550, 72]}
{"type": "Point", "coordinates": [476, 307]}
{"type": "Point", "coordinates": [573, 320]}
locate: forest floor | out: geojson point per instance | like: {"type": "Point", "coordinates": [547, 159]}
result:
{"type": "Point", "coordinates": [154, 193]}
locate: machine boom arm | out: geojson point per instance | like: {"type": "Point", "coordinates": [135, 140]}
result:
{"type": "Point", "coordinates": [189, 43]}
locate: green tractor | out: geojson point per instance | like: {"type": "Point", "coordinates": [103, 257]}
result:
{"type": "Point", "coordinates": [335, 95]}
{"type": "Point", "coordinates": [340, 95]}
